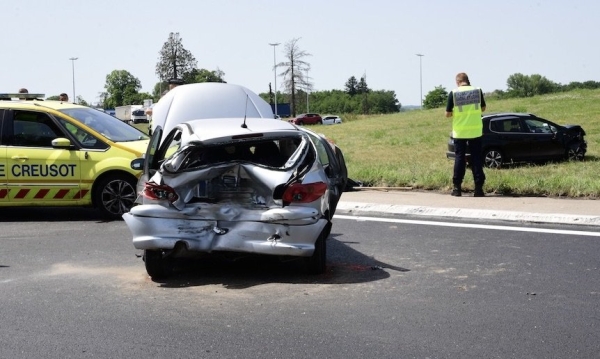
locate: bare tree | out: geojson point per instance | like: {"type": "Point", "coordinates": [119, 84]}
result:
{"type": "Point", "coordinates": [295, 71]}
{"type": "Point", "coordinates": [174, 60]}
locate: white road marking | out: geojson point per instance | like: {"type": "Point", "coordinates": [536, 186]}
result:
{"type": "Point", "coordinates": [468, 225]}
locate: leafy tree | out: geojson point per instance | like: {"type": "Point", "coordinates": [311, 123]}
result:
{"type": "Point", "coordinates": [203, 75]}
{"type": "Point", "coordinates": [174, 60]}
{"type": "Point", "coordinates": [81, 101]}
{"type": "Point", "coordinates": [53, 98]}
{"type": "Point", "coordinates": [520, 85]}
{"type": "Point", "coordinates": [351, 85]}
{"type": "Point", "coordinates": [121, 89]}
{"type": "Point", "coordinates": [294, 71]}
{"type": "Point", "coordinates": [362, 87]}
{"type": "Point", "coordinates": [436, 98]}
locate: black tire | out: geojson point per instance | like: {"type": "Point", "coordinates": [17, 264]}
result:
{"type": "Point", "coordinates": [493, 158]}
{"type": "Point", "coordinates": [575, 154]}
{"type": "Point", "coordinates": [320, 122]}
{"type": "Point", "coordinates": [157, 266]}
{"type": "Point", "coordinates": [316, 264]}
{"type": "Point", "coordinates": [114, 195]}
{"type": "Point", "coordinates": [300, 123]}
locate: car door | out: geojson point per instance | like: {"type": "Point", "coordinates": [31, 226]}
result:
{"type": "Point", "coordinates": [544, 141]}
{"type": "Point", "coordinates": [37, 173]}
{"type": "Point", "coordinates": [3, 174]}
{"type": "Point", "coordinates": [332, 159]}
{"type": "Point", "coordinates": [508, 135]}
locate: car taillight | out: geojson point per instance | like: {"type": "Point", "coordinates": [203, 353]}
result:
{"type": "Point", "coordinates": [159, 192]}
{"type": "Point", "coordinates": [304, 193]}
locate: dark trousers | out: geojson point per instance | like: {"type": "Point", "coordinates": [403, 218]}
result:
{"type": "Point", "coordinates": [460, 163]}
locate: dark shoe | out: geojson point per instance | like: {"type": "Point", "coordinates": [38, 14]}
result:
{"type": "Point", "coordinates": [456, 192]}
{"type": "Point", "coordinates": [479, 192]}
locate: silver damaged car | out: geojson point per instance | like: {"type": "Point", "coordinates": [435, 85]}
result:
{"type": "Point", "coordinates": [237, 187]}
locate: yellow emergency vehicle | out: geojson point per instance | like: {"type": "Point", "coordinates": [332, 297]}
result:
{"type": "Point", "coordinates": [55, 153]}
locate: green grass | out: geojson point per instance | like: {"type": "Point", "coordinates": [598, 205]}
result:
{"type": "Point", "coordinates": [408, 149]}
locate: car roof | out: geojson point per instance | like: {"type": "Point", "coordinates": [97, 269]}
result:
{"type": "Point", "coordinates": [503, 114]}
{"type": "Point", "coordinates": [208, 100]}
{"type": "Point", "coordinates": [208, 130]}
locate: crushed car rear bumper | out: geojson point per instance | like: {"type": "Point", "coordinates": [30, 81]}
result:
{"type": "Point", "coordinates": [280, 231]}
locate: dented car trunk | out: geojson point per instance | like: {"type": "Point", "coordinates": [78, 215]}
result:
{"type": "Point", "coordinates": [229, 196]}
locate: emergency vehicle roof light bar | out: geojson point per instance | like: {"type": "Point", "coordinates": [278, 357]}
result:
{"type": "Point", "coordinates": [22, 96]}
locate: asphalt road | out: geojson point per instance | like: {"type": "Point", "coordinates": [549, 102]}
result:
{"type": "Point", "coordinates": [71, 286]}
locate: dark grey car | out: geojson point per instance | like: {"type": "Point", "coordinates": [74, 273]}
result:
{"type": "Point", "coordinates": [524, 137]}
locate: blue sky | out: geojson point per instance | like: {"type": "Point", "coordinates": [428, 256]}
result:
{"type": "Point", "coordinates": [379, 38]}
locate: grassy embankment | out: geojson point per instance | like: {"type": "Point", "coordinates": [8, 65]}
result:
{"type": "Point", "coordinates": [408, 149]}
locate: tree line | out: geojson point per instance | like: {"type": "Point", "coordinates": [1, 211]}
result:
{"type": "Point", "coordinates": [174, 61]}
{"type": "Point", "coordinates": [518, 85]}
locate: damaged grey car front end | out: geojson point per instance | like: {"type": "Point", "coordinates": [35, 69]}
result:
{"type": "Point", "coordinates": [259, 186]}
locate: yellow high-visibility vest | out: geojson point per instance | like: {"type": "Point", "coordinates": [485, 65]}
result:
{"type": "Point", "coordinates": [466, 114]}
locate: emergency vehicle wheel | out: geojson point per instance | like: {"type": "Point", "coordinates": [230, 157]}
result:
{"type": "Point", "coordinates": [115, 195]}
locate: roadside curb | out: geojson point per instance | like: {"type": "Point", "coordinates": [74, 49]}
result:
{"type": "Point", "coordinates": [359, 208]}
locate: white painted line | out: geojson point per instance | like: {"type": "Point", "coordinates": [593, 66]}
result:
{"type": "Point", "coordinates": [467, 225]}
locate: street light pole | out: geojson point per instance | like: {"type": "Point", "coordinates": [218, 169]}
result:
{"type": "Point", "coordinates": [73, 67]}
{"type": "Point", "coordinates": [275, 72]}
{"type": "Point", "coordinates": [421, 77]}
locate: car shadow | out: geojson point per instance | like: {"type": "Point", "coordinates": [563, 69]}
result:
{"type": "Point", "coordinates": [345, 265]}
{"type": "Point", "coordinates": [51, 214]}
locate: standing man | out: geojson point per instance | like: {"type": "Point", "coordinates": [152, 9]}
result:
{"type": "Point", "coordinates": [465, 105]}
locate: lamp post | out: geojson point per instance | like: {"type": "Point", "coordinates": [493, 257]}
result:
{"type": "Point", "coordinates": [73, 67]}
{"type": "Point", "coordinates": [275, 72]}
{"type": "Point", "coordinates": [421, 77]}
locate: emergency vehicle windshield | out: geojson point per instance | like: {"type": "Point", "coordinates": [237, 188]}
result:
{"type": "Point", "coordinates": [108, 126]}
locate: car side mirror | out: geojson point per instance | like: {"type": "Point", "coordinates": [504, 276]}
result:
{"type": "Point", "coordinates": [137, 164]}
{"type": "Point", "coordinates": [61, 142]}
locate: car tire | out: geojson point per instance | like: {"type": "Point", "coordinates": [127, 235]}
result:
{"type": "Point", "coordinates": [493, 158]}
{"type": "Point", "coordinates": [319, 122]}
{"type": "Point", "coordinates": [316, 264]}
{"type": "Point", "coordinates": [301, 123]}
{"type": "Point", "coordinates": [575, 154]}
{"type": "Point", "coordinates": [157, 266]}
{"type": "Point", "coordinates": [114, 195]}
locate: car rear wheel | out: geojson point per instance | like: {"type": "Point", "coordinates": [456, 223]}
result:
{"type": "Point", "coordinates": [316, 263]}
{"type": "Point", "coordinates": [157, 266]}
{"type": "Point", "coordinates": [114, 195]}
{"type": "Point", "coordinates": [320, 122]}
{"type": "Point", "coordinates": [492, 158]}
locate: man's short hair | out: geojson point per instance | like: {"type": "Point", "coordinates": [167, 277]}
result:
{"type": "Point", "coordinates": [462, 77]}
{"type": "Point", "coordinates": [23, 90]}
{"type": "Point", "coordinates": [63, 95]}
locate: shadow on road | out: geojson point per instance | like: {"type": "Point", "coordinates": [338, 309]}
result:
{"type": "Point", "coordinates": [345, 265]}
{"type": "Point", "coordinates": [50, 214]}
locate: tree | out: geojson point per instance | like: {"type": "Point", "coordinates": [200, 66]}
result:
{"type": "Point", "coordinates": [436, 98]}
{"type": "Point", "coordinates": [351, 85]}
{"type": "Point", "coordinates": [174, 60]}
{"type": "Point", "coordinates": [203, 75]}
{"type": "Point", "coordinates": [520, 85]}
{"type": "Point", "coordinates": [294, 71]}
{"type": "Point", "coordinates": [81, 101]}
{"type": "Point", "coordinates": [121, 89]}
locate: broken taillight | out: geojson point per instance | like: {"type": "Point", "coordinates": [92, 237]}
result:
{"type": "Point", "coordinates": [159, 192]}
{"type": "Point", "coordinates": [304, 192]}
